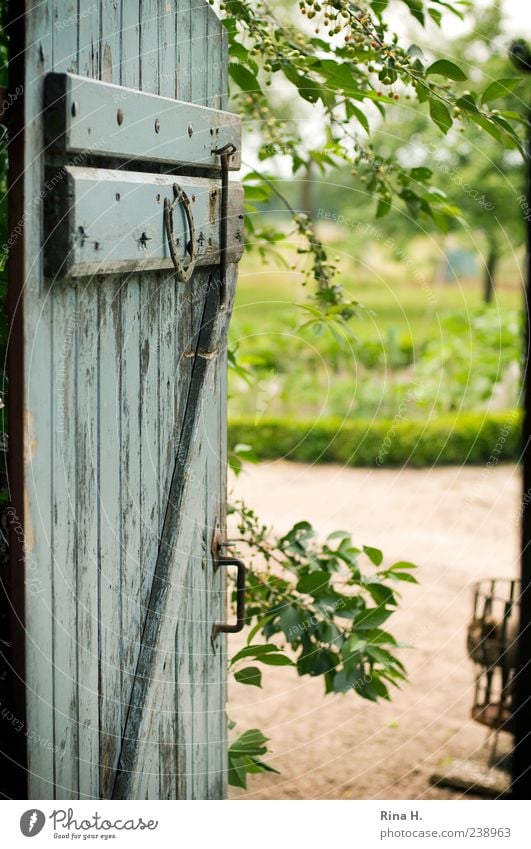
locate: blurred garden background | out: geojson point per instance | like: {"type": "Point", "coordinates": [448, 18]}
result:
{"type": "Point", "coordinates": [392, 410]}
{"type": "Point", "coordinates": [432, 354]}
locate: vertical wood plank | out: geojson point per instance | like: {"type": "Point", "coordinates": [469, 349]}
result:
{"type": "Point", "coordinates": [133, 601]}
{"type": "Point", "coordinates": [88, 586]}
{"type": "Point", "coordinates": [149, 46]}
{"type": "Point", "coordinates": [183, 24]}
{"type": "Point", "coordinates": [183, 697]}
{"type": "Point", "coordinates": [149, 343]}
{"type": "Point", "coordinates": [87, 442]}
{"type": "Point", "coordinates": [213, 60]}
{"type": "Point", "coordinates": [169, 308]}
{"type": "Point", "coordinates": [65, 529]}
{"type": "Point", "coordinates": [110, 513]}
{"type": "Point", "coordinates": [89, 19]}
{"type": "Point", "coordinates": [109, 508]}
{"type": "Point", "coordinates": [65, 532]}
{"type": "Point", "coordinates": [130, 55]}
{"type": "Point", "coordinates": [38, 469]}
{"type": "Point", "coordinates": [199, 52]}
{"type": "Point", "coordinates": [223, 71]}
{"type": "Point", "coordinates": [111, 38]}
{"type": "Point", "coordinates": [132, 606]}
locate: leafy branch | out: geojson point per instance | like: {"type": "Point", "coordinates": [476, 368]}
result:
{"type": "Point", "coordinates": [317, 610]}
{"type": "Point", "coordinates": [342, 59]}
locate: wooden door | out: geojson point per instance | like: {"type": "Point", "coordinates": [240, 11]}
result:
{"type": "Point", "coordinates": [118, 397]}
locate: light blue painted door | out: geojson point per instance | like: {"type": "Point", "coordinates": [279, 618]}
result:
{"type": "Point", "coordinates": [124, 393]}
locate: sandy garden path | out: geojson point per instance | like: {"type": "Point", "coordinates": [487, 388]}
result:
{"type": "Point", "coordinates": [458, 525]}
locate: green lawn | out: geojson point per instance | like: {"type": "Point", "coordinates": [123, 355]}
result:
{"type": "Point", "coordinates": [266, 297]}
{"type": "Point", "coordinates": [410, 333]}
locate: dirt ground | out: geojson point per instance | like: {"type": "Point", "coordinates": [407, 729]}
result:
{"type": "Point", "coordinates": [458, 525]}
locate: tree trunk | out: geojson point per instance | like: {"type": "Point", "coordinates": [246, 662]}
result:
{"type": "Point", "coordinates": [306, 193]}
{"type": "Point", "coordinates": [490, 271]}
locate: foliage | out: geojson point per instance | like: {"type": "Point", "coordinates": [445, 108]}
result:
{"type": "Point", "coordinates": [450, 439]}
{"type": "Point", "coordinates": [461, 368]}
{"type": "Point", "coordinates": [244, 757]}
{"type": "Point", "coordinates": [462, 359]}
{"type": "Point", "coordinates": [320, 608]}
{"type": "Point", "coordinates": [342, 59]}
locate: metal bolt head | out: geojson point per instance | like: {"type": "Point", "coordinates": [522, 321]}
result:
{"type": "Point", "coordinates": [157, 125]}
{"type": "Point", "coordinates": [190, 130]}
{"type": "Point", "coordinates": [75, 108]}
{"type": "Point", "coordinates": [120, 117]}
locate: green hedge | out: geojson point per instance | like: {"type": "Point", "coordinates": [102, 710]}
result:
{"type": "Point", "coordinates": [450, 439]}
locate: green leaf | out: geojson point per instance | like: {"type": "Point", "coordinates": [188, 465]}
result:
{"type": "Point", "coordinates": [401, 565]}
{"type": "Point", "coordinates": [435, 15]}
{"type": "Point", "coordinates": [445, 68]}
{"type": "Point", "coordinates": [405, 576]}
{"type": "Point", "coordinates": [374, 554]}
{"type": "Point", "coordinates": [252, 742]}
{"type": "Point", "coordinates": [317, 662]}
{"type": "Point", "coordinates": [380, 593]}
{"type": "Point", "coordinates": [243, 77]}
{"type": "Point", "coordinates": [416, 7]}
{"type": "Point", "coordinates": [250, 675]}
{"type": "Point", "coordinates": [499, 88]}
{"type": "Point", "coordinates": [374, 690]}
{"type": "Point", "coordinates": [314, 582]}
{"type": "Point", "coordinates": [259, 626]}
{"type": "Point", "coordinates": [422, 174]}
{"type": "Point", "coordinates": [440, 115]}
{"type": "Point", "coordinates": [237, 774]}
{"type": "Point", "coordinates": [354, 111]}
{"type": "Point", "coordinates": [384, 205]}
{"type": "Point", "coordinates": [372, 618]}
{"type": "Point", "coordinates": [291, 619]}
{"type": "Point", "coordinates": [486, 123]}
{"type": "Point", "coordinates": [276, 660]}
{"type": "Point", "coordinates": [348, 678]}
{"type": "Point", "coordinates": [257, 651]}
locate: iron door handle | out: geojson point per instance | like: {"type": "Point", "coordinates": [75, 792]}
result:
{"type": "Point", "coordinates": [184, 268]}
{"type": "Point", "coordinates": [225, 627]}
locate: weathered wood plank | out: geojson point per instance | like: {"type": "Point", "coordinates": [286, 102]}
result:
{"type": "Point", "coordinates": [149, 46]}
{"type": "Point", "coordinates": [133, 601]}
{"type": "Point", "coordinates": [213, 66]}
{"type": "Point", "coordinates": [106, 222]}
{"type": "Point", "coordinates": [65, 529]}
{"type": "Point", "coordinates": [199, 48]}
{"type": "Point", "coordinates": [84, 116]}
{"type": "Point", "coordinates": [88, 601]}
{"type": "Point", "coordinates": [130, 64]}
{"type": "Point", "coordinates": [87, 447]}
{"type": "Point", "coordinates": [168, 379]}
{"type": "Point", "coordinates": [183, 23]}
{"type": "Point", "coordinates": [88, 34]}
{"type": "Point", "coordinates": [110, 518]}
{"type": "Point", "coordinates": [37, 432]}
{"type": "Point", "coordinates": [111, 29]}
{"type": "Point", "coordinates": [150, 320]}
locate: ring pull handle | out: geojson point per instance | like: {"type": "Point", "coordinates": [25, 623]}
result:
{"type": "Point", "coordinates": [225, 627]}
{"type": "Point", "coordinates": [184, 267]}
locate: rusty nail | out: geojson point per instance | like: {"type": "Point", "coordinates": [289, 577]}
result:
{"type": "Point", "coordinates": [120, 117]}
